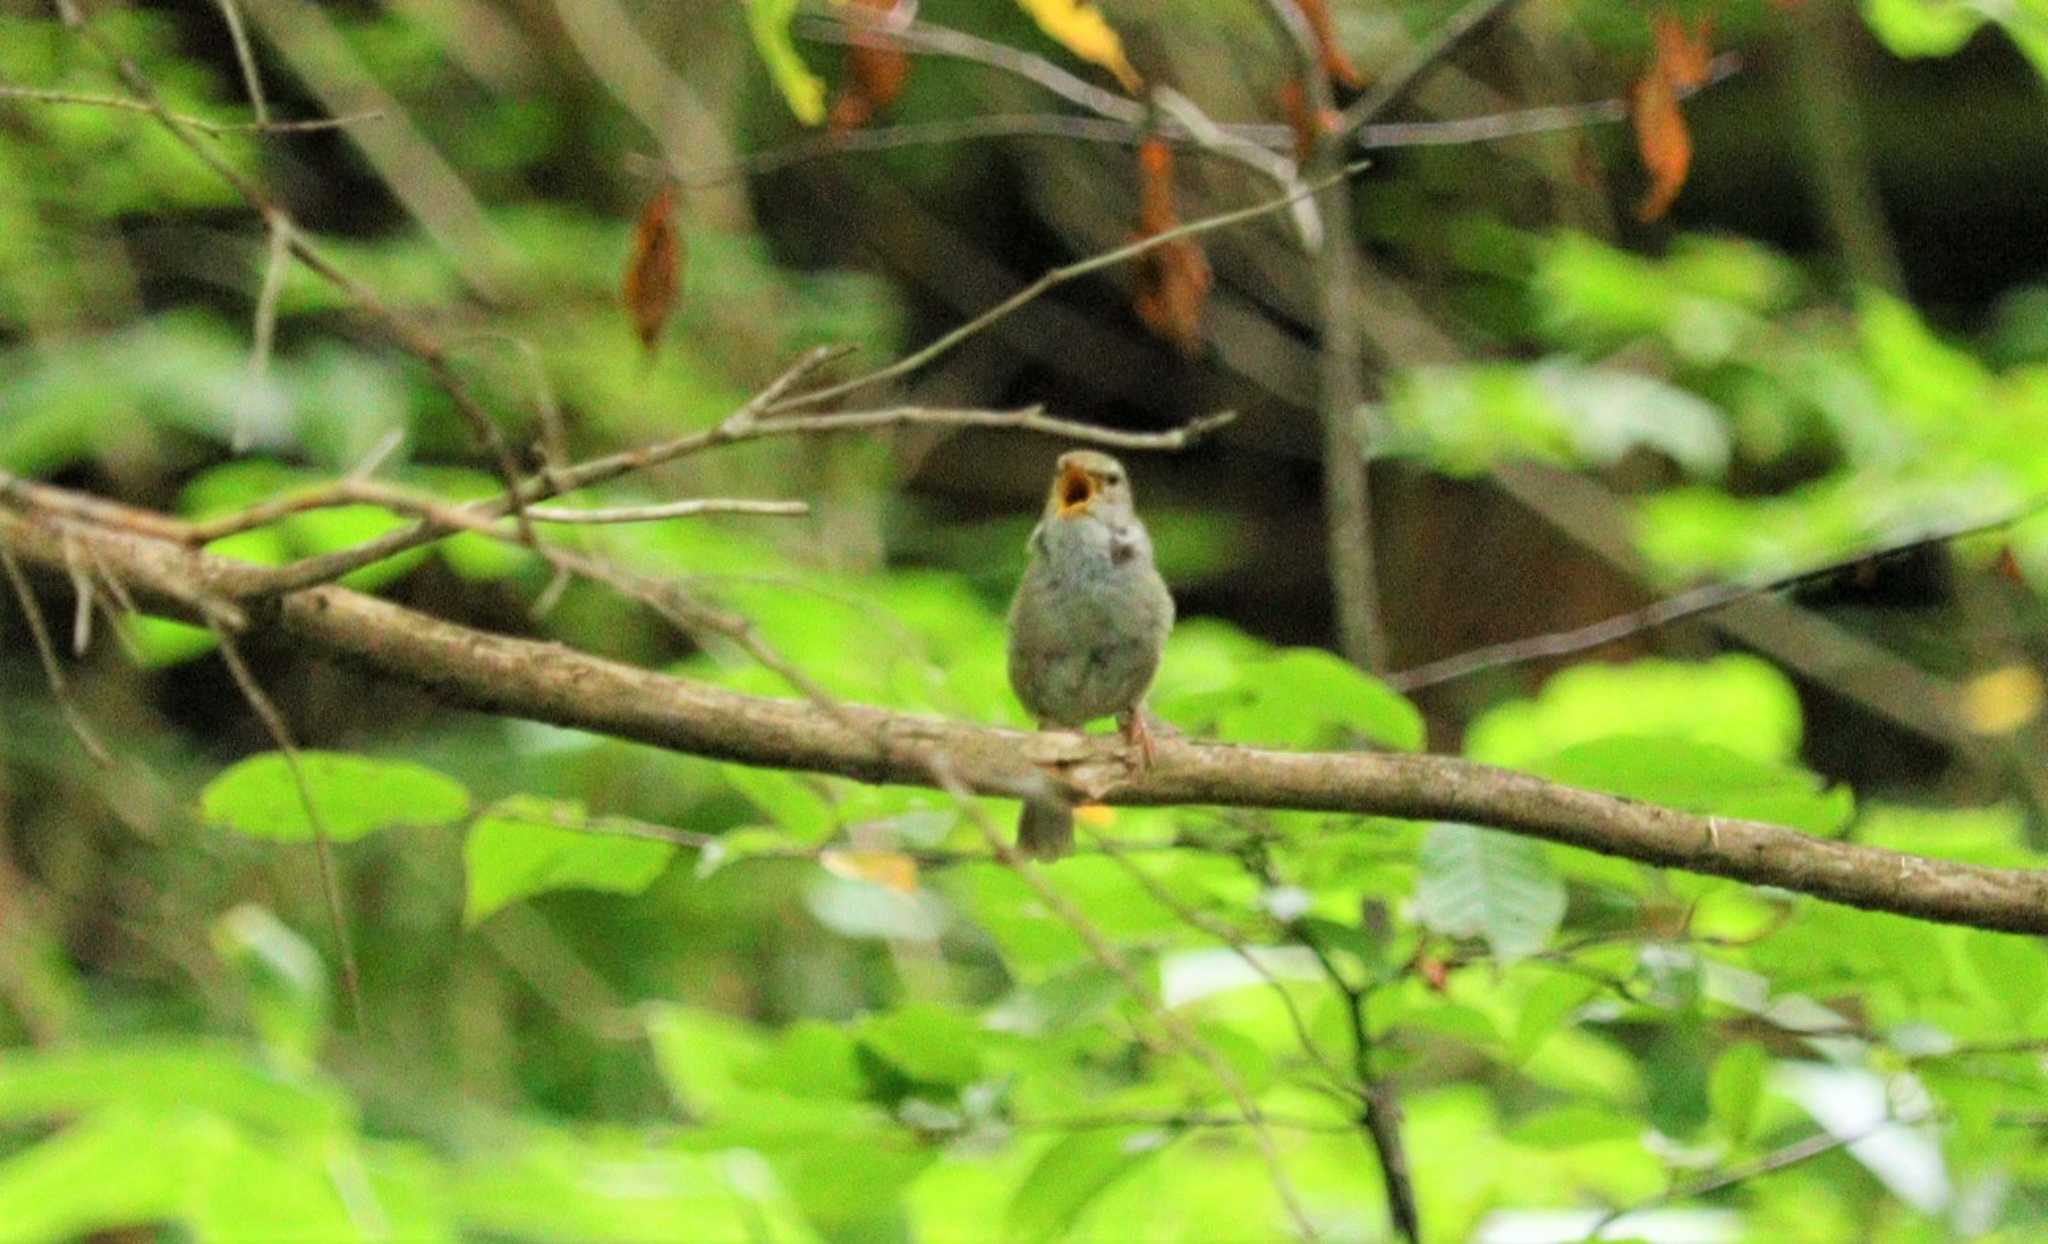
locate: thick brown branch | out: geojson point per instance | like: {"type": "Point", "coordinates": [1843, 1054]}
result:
{"type": "Point", "coordinates": [547, 682]}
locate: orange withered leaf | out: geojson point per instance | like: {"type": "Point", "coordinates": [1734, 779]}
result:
{"type": "Point", "coordinates": [1662, 140]}
{"type": "Point", "coordinates": [1156, 213]}
{"type": "Point", "coordinates": [875, 72]}
{"type": "Point", "coordinates": [1683, 60]}
{"type": "Point", "coordinates": [1336, 62]}
{"type": "Point", "coordinates": [654, 270]}
{"type": "Point", "coordinates": [1173, 278]}
{"type": "Point", "coordinates": [1684, 54]}
{"type": "Point", "coordinates": [1308, 130]}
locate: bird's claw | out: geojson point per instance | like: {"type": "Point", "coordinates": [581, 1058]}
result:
{"type": "Point", "coordinates": [1139, 735]}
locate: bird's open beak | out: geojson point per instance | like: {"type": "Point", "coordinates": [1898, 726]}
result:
{"type": "Point", "coordinates": [1075, 489]}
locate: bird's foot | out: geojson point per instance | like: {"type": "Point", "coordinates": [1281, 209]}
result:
{"type": "Point", "coordinates": [1138, 733]}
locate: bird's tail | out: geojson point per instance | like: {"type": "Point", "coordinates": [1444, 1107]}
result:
{"type": "Point", "coordinates": [1045, 830]}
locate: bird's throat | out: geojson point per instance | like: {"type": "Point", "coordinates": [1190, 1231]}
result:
{"type": "Point", "coordinates": [1074, 491]}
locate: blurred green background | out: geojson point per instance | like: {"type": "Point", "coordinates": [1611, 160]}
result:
{"type": "Point", "coordinates": [614, 994]}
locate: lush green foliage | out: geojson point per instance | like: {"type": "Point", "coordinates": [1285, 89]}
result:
{"type": "Point", "coordinates": [821, 1012]}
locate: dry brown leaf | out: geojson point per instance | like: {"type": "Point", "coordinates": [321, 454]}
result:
{"type": "Point", "coordinates": [654, 270]}
{"type": "Point", "coordinates": [875, 73]}
{"type": "Point", "coordinates": [1336, 62]}
{"type": "Point", "coordinates": [1173, 279]}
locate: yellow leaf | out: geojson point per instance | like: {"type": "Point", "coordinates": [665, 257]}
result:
{"type": "Point", "coordinates": [2002, 700]}
{"type": "Point", "coordinates": [1087, 34]}
{"type": "Point", "coordinates": [768, 21]}
{"type": "Point", "coordinates": [892, 869]}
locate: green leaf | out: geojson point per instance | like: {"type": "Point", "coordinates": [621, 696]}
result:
{"type": "Point", "coordinates": [1071, 1175]}
{"type": "Point", "coordinates": [90, 1176]}
{"type": "Point", "coordinates": [519, 847]}
{"type": "Point", "coordinates": [355, 795]}
{"type": "Point", "coordinates": [811, 1059]}
{"type": "Point", "coordinates": [1306, 697]}
{"type": "Point", "coordinates": [1545, 1009]}
{"type": "Point", "coordinates": [1931, 383]}
{"type": "Point", "coordinates": [162, 642]}
{"type": "Point", "coordinates": [852, 1189]}
{"type": "Point", "coordinates": [1922, 27]}
{"type": "Point", "coordinates": [39, 1084]}
{"type": "Point", "coordinates": [2010, 970]}
{"type": "Point", "coordinates": [1738, 702]}
{"type": "Point", "coordinates": [701, 1055]}
{"type": "Point", "coordinates": [1993, 836]}
{"type": "Point", "coordinates": [1736, 1086]}
{"type": "Point", "coordinates": [1701, 777]}
{"type": "Point", "coordinates": [594, 1186]}
{"type": "Point", "coordinates": [794, 801]}
{"type": "Point", "coordinates": [1578, 1124]}
{"type": "Point", "coordinates": [768, 21]}
{"type": "Point", "coordinates": [928, 1043]}
{"type": "Point", "coordinates": [1675, 1073]}
{"type": "Point", "coordinates": [1482, 883]}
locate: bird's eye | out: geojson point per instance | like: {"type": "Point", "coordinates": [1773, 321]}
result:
{"type": "Point", "coordinates": [1113, 479]}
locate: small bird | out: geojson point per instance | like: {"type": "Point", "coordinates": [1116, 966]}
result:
{"type": "Point", "coordinates": [1088, 624]}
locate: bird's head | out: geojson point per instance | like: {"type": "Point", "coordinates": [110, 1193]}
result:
{"type": "Point", "coordinates": [1089, 484]}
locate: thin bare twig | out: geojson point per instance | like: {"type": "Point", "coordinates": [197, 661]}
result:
{"type": "Point", "coordinates": [1377, 136]}
{"type": "Point", "coordinates": [276, 262]}
{"type": "Point", "coordinates": [554, 437]}
{"type": "Point", "coordinates": [410, 337]}
{"type": "Point", "coordinates": [1176, 1120]}
{"type": "Point", "coordinates": [670, 509]}
{"type": "Point", "coordinates": [1229, 937]}
{"type": "Point", "coordinates": [939, 41]}
{"type": "Point", "coordinates": [357, 490]}
{"type": "Point", "coordinates": [245, 56]}
{"type": "Point", "coordinates": [716, 849]}
{"type": "Point", "coordinates": [1177, 1029]}
{"type": "Point", "coordinates": [46, 652]}
{"type": "Point", "coordinates": [39, 95]}
{"type": "Point", "coordinates": [84, 598]}
{"type": "Point", "coordinates": [744, 425]}
{"type": "Point", "coordinates": [918, 134]}
{"type": "Point", "coordinates": [1379, 1109]}
{"type": "Point", "coordinates": [1394, 86]}
{"type": "Point", "coordinates": [323, 848]}
{"type": "Point", "coordinates": [1060, 276]}
{"type": "Point", "coordinates": [1776, 1160]}
{"type": "Point", "coordinates": [1687, 604]}
{"type": "Point", "coordinates": [1493, 127]}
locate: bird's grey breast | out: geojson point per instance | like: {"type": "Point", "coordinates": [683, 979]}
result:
{"type": "Point", "coordinates": [1093, 568]}
{"type": "Point", "coordinates": [1089, 621]}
